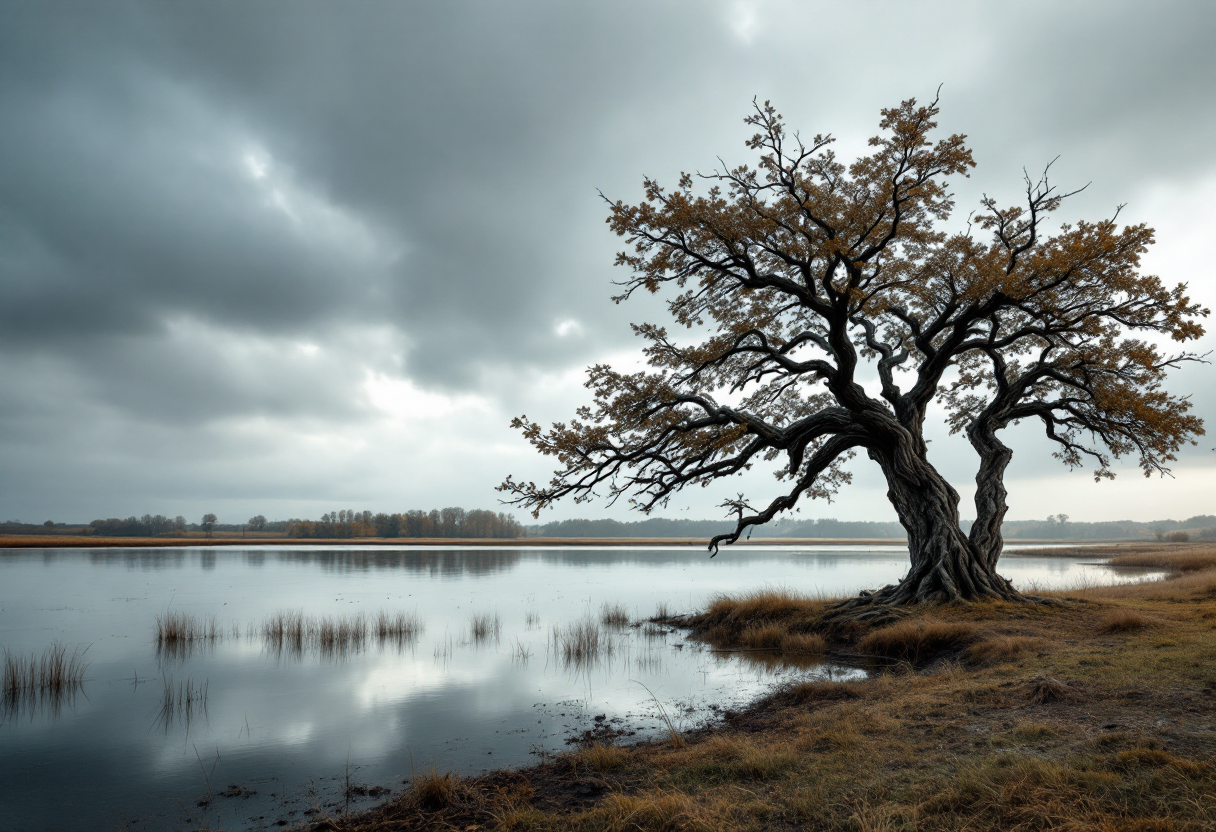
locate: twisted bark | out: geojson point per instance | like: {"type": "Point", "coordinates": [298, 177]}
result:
{"type": "Point", "coordinates": [944, 564]}
{"type": "Point", "coordinates": [990, 506]}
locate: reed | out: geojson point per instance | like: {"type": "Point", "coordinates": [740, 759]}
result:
{"type": "Point", "coordinates": [532, 619]}
{"type": "Point", "coordinates": [399, 627]}
{"type": "Point", "coordinates": [178, 633]}
{"type": "Point", "coordinates": [485, 627]}
{"type": "Point", "coordinates": [54, 674]}
{"type": "Point", "coordinates": [339, 634]}
{"type": "Point", "coordinates": [580, 643]}
{"type": "Point", "coordinates": [285, 631]}
{"type": "Point", "coordinates": [614, 615]}
{"type": "Point", "coordinates": [293, 632]}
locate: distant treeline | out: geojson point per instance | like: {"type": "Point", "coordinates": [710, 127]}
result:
{"type": "Point", "coordinates": [1059, 527]}
{"type": "Point", "coordinates": [456, 522]}
{"type": "Point", "coordinates": [446, 522]}
{"type": "Point", "coordinates": [150, 525]}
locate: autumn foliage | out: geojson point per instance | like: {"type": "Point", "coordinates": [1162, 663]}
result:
{"type": "Point", "coordinates": [805, 279]}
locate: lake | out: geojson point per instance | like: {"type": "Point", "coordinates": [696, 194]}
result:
{"type": "Point", "coordinates": [300, 689]}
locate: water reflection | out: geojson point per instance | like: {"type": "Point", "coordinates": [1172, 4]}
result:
{"type": "Point", "coordinates": [182, 702]}
{"type": "Point", "coordinates": [285, 664]}
{"type": "Point", "coordinates": [443, 563]}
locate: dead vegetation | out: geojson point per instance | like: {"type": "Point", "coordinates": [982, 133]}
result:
{"type": "Point", "coordinates": [50, 678]}
{"type": "Point", "coordinates": [485, 627]}
{"type": "Point", "coordinates": [581, 643]}
{"type": "Point", "coordinates": [614, 615]}
{"type": "Point", "coordinates": [1097, 712]}
{"type": "Point", "coordinates": [292, 633]}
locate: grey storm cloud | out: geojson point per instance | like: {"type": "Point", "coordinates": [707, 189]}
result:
{"type": "Point", "coordinates": [225, 214]}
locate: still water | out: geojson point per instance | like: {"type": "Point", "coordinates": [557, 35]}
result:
{"type": "Point", "coordinates": [239, 731]}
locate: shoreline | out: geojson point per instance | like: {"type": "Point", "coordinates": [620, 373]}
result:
{"type": "Point", "coordinates": [1096, 710]}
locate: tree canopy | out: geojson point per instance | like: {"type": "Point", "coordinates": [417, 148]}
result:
{"type": "Point", "coordinates": [809, 278]}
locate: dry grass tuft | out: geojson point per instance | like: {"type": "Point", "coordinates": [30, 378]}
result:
{"type": "Point", "coordinates": [761, 605]}
{"type": "Point", "coordinates": [657, 810]}
{"type": "Point", "coordinates": [603, 758]}
{"type": "Point", "coordinates": [614, 615]}
{"type": "Point", "coordinates": [762, 636]}
{"type": "Point", "coordinates": [803, 644]}
{"type": "Point", "coordinates": [433, 791]}
{"type": "Point", "coordinates": [1134, 758]}
{"type": "Point", "coordinates": [997, 649]}
{"type": "Point", "coordinates": [823, 692]}
{"type": "Point", "coordinates": [919, 641]}
{"type": "Point", "coordinates": [1123, 621]}
{"type": "Point", "coordinates": [1045, 689]}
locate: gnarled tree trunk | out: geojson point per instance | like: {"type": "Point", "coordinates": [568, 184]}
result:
{"type": "Point", "coordinates": [944, 564]}
{"type": "Point", "coordinates": [990, 507]}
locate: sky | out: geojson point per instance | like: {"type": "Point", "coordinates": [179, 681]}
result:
{"type": "Point", "coordinates": [282, 259]}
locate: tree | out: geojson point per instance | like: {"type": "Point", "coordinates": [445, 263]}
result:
{"type": "Point", "coordinates": [809, 279]}
{"type": "Point", "coordinates": [208, 524]}
{"type": "Point", "coordinates": [257, 523]}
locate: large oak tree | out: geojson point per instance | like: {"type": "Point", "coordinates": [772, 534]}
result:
{"type": "Point", "coordinates": [837, 307]}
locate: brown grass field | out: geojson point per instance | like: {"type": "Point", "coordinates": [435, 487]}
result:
{"type": "Point", "coordinates": [1096, 711]}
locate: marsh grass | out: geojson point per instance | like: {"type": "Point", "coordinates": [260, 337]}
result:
{"type": "Point", "coordinates": [179, 633]}
{"type": "Point", "coordinates": [339, 635]}
{"type": "Point", "coordinates": [432, 790]}
{"type": "Point", "coordinates": [532, 619]}
{"type": "Point", "coordinates": [581, 643]}
{"type": "Point", "coordinates": [399, 628]}
{"type": "Point", "coordinates": [919, 641]}
{"type": "Point", "coordinates": [485, 627]}
{"type": "Point", "coordinates": [1196, 559]}
{"type": "Point", "coordinates": [50, 678]}
{"type": "Point", "coordinates": [614, 615]}
{"type": "Point", "coordinates": [291, 632]}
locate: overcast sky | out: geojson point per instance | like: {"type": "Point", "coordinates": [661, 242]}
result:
{"type": "Point", "coordinates": [287, 258]}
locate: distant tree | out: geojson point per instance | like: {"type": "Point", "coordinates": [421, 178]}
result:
{"type": "Point", "coordinates": [208, 524]}
{"type": "Point", "coordinates": [257, 523]}
{"type": "Point", "coordinates": [50, 524]}
{"type": "Point", "coordinates": [810, 277]}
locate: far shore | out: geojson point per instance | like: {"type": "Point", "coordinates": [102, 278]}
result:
{"type": "Point", "coordinates": [52, 541]}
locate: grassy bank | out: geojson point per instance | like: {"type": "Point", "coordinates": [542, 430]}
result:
{"type": "Point", "coordinates": [1096, 712]}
